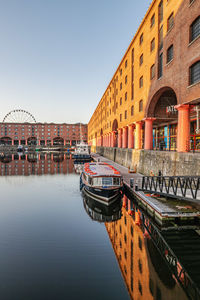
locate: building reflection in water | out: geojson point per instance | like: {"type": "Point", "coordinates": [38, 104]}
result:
{"type": "Point", "coordinates": [144, 271]}
{"type": "Point", "coordinates": [36, 164]}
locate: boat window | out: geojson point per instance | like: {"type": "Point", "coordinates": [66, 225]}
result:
{"type": "Point", "coordinates": [116, 181]}
{"type": "Point", "coordinates": [89, 180]}
{"type": "Point", "coordinates": [106, 181]}
{"type": "Point", "coordinates": [97, 181]}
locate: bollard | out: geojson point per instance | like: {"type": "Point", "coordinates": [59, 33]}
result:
{"type": "Point", "coordinates": [131, 182]}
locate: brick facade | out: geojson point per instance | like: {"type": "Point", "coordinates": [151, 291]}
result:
{"type": "Point", "coordinates": [42, 133]}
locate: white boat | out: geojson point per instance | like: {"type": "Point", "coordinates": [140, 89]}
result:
{"type": "Point", "coordinates": [82, 152]}
{"type": "Point", "coordinates": [101, 181]}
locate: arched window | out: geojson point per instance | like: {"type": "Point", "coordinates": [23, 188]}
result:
{"type": "Point", "coordinates": [195, 73]}
{"type": "Point", "coordinates": [195, 29]}
{"type": "Point", "coordinates": [132, 110]}
{"type": "Point", "coordinates": [141, 105]}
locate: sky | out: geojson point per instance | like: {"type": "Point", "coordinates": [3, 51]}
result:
{"type": "Point", "coordinates": [58, 56]}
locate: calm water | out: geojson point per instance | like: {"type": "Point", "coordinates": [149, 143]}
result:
{"type": "Point", "coordinates": [55, 245]}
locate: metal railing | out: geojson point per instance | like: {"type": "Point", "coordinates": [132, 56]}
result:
{"type": "Point", "coordinates": [181, 187]}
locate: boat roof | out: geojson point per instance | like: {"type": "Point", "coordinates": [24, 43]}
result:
{"type": "Point", "coordinates": [100, 169]}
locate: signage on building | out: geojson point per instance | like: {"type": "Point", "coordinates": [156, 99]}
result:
{"type": "Point", "coordinates": [171, 109]}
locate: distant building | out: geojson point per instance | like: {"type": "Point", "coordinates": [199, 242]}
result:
{"type": "Point", "coordinates": [42, 134]}
{"type": "Point", "coordinates": [153, 99]}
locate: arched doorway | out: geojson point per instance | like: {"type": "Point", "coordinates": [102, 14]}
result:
{"type": "Point", "coordinates": [162, 109]}
{"type": "Point", "coordinates": [101, 137]}
{"type": "Point", "coordinates": [32, 141]}
{"type": "Point", "coordinates": [115, 133]}
{"type": "Point", "coordinates": [58, 141]}
{"type": "Point", "coordinates": [5, 141]}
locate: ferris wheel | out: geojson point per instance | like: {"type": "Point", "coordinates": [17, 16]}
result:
{"type": "Point", "coordinates": [19, 116]}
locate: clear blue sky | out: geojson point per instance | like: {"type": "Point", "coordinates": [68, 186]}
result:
{"type": "Point", "coordinates": [58, 56]}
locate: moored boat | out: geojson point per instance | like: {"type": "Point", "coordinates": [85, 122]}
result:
{"type": "Point", "coordinates": [101, 181]}
{"type": "Point", "coordinates": [82, 152]}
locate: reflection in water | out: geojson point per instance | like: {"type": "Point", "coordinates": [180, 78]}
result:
{"type": "Point", "coordinates": [36, 164]}
{"type": "Point", "coordinates": [145, 272]}
{"type": "Point", "coordinates": [100, 212]}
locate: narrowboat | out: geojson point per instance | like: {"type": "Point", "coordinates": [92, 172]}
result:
{"type": "Point", "coordinates": [101, 181]}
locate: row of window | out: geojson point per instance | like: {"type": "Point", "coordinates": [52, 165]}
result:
{"type": "Point", "coordinates": [132, 110]}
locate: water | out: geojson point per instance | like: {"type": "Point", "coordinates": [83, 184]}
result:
{"type": "Point", "coordinates": [55, 245]}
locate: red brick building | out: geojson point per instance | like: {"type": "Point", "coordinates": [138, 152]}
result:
{"type": "Point", "coordinates": [44, 134]}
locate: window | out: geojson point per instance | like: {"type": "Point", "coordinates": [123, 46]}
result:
{"type": "Point", "coordinates": [132, 91]}
{"type": "Point", "coordinates": [120, 101]}
{"type": "Point", "coordinates": [195, 29]}
{"type": "Point", "coordinates": [152, 20]}
{"type": "Point", "coordinates": [125, 114]}
{"type": "Point", "coordinates": [152, 44]}
{"type": "Point", "coordinates": [120, 72]}
{"type": "Point", "coordinates": [160, 65]}
{"type": "Point", "coordinates": [125, 96]}
{"type": "Point", "coordinates": [141, 59]}
{"type": "Point", "coordinates": [120, 117]}
{"type": "Point", "coordinates": [132, 110]}
{"type": "Point", "coordinates": [132, 55]}
{"type": "Point", "coordinates": [160, 11]}
{"type": "Point", "coordinates": [121, 86]}
{"type": "Point", "coordinates": [141, 39]}
{"type": "Point", "coordinates": [152, 72]}
{"type": "Point", "coordinates": [126, 79]}
{"type": "Point", "coordinates": [195, 73]}
{"type": "Point", "coordinates": [132, 73]}
{"type": "Point", "coordinates": [170, 22]}
{"type": "Point", "coordinates": [141, 82]}
{"type": "Point", "coordinates": [126, 64]}
{"type": "Point", "coordinates": [161, 38]}
{"type": "Point", "coordinates": [141, 105]}
{"type": "Point", "coordinates": [170, 53]}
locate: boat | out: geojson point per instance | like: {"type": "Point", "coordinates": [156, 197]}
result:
{"type": "Point", "coordinates": [101, 181]}
{"type": "Point", "coordinates": [100, 212]}
{"type": "Point", "coordinates": [19, 148]}
{"type": "Point", "coordinates": [81, 152]}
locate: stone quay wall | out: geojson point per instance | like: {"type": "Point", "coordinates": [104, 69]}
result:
{"type": "Point", "coordinates": [149, 162]}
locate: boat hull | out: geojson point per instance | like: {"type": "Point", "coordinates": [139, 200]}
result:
{"type": "Point", "coordinates": [105, 196]}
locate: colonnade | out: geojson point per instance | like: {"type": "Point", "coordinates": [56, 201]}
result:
{"type": "Point", "coordinates": [131, 136]}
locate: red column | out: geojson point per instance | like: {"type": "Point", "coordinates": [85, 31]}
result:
{"type": "Point", "coordinates": [19, 142]}
{"type": "Point", "coordinates": [110, 139]}
{"type": "Point", "coordinates": [113, 139]}
{"type": "Point", "coordinates": [130, 136]}
{"type": "Point", "coordinates": [138, 135]}
{"type": "Point", "coordinates": [12, 142]}
{"type": "Point", "coordinates": [125, 137]}
{"type": "Point", "coordinates": [183, 133]}
{"type": "Point", "coordinates": [148, 138]}
{"type": "Point", "coordinates": [119, 138]}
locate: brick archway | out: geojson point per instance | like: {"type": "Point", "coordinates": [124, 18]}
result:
{"type": "Point", "coordinates": [161, 104]}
